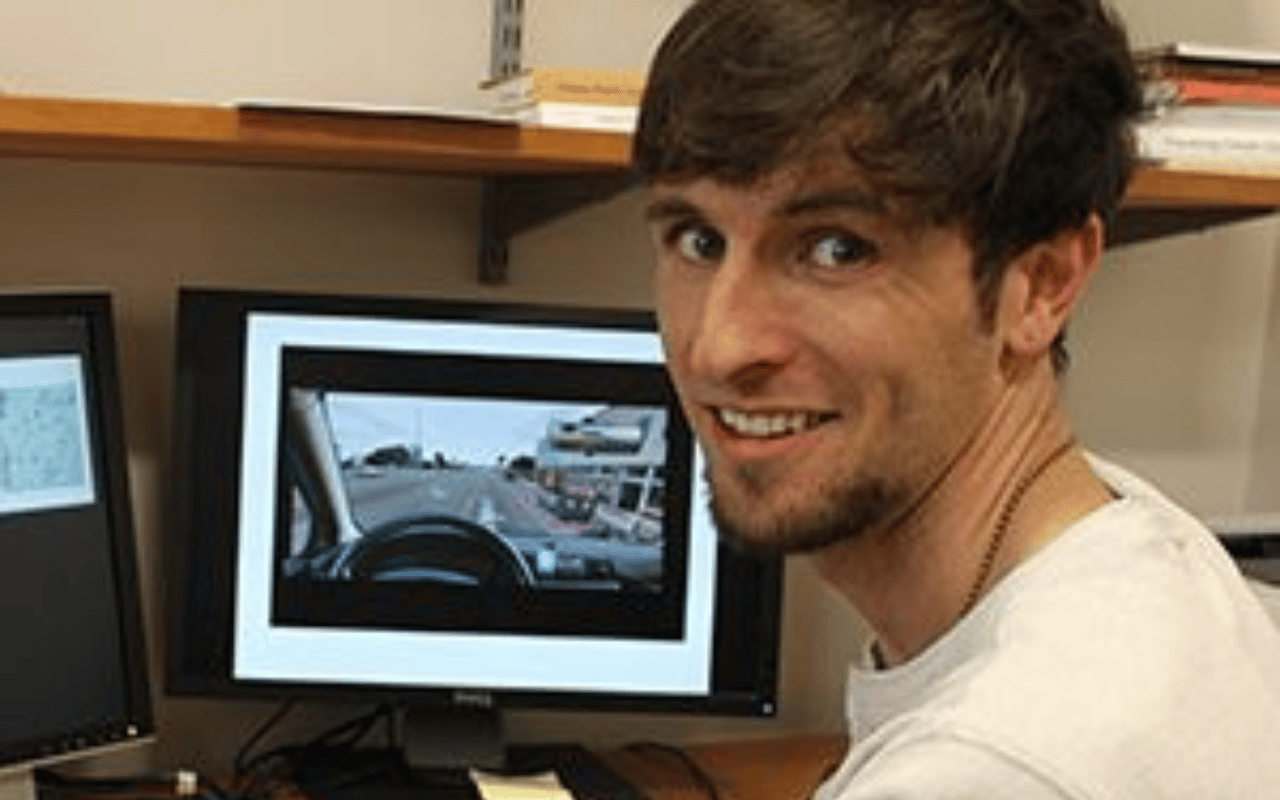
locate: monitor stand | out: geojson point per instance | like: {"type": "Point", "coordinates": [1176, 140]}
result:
{"type": "Point", "coordinates": [441, 746]}
{"type": "Point", "coordinates": [452, 738]}
{"type": "Point", "coordinates": [20, 784]}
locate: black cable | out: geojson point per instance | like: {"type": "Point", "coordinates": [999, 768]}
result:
{"type": "Point", "coordinates": [331, 757]}
{"type": "Point", "coordinates": [359, 726]}
{"type": "Point", "coordinates": [242, 764]}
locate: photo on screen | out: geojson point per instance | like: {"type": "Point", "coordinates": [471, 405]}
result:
{"type": "Point", "coordinates": [45, 460]}
{"type": "Point", "coordinates": [420, 491]}
{"type": "Point", "coordinates": [575, 489]}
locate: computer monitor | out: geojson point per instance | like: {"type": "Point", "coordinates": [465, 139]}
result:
{"type": "Point", "coordinates": [73, 679]}
{"type": "Point", "coordinates": [453, 505]}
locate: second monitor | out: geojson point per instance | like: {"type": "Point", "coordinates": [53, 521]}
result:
{"type": "Point", "coordinates": [453, 505]}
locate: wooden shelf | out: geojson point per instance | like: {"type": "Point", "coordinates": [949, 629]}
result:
{"type": "Point", "coordinates": [530, 173]}
{"type": "Point", "coordinates": [99, 129]}
{"type": "Point", "coordinates": [1164, 202]}
{"type": "Point", "coordinates": [1158, 188]}
{"type": "Point", "coordinates": [520, 164]}
{"type": "Point", "coordinates": [92, 129]}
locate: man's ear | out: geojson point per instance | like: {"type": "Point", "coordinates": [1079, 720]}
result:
{"type": "Point", "coordinates": [1043, 284]}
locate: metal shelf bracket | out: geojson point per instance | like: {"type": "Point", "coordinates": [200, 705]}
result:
{"type": "Point", "coordinates": [506, 40]}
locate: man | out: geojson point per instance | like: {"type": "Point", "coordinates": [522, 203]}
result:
{"type": "Point", "coordinates": [873, 219]}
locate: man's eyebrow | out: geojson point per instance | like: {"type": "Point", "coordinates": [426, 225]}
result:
{"type": "Point", "coordinates": [846, 198]}
{"type": "Point", "coordinates": [851, 199]}
{"type": "Point", "coordinates": [670, 208]}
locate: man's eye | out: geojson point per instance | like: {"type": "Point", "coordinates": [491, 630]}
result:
{"type": "Point", "coordinates": [839, 250]}
{"type": "Point", "coordinates": [699, 243]}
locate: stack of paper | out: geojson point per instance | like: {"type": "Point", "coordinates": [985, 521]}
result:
{"type": "Point", "coordinates": [1214, 109]}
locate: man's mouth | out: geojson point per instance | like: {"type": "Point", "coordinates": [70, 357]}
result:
{"type": "Point", "coordinates": [767, 425]}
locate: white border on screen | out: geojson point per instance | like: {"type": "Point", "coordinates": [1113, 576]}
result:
{"type": "Point", "coordinates": [273, 652]}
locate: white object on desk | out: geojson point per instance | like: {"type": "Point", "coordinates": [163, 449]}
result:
{"type": "Point", "coordinates": [538, 786]}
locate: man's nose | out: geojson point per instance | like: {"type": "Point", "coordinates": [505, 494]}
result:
{"type": "Point", "coordinates": [744, 332]}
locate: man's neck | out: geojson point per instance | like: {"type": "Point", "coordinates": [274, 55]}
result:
{"type": "Point", "coordinates": [914, 582]}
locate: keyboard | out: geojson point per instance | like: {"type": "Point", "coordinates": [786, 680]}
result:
{"type": "Point", "coordinates": [379, 776]}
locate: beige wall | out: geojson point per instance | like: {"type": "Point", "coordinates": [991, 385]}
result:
{"type": "Point", "coordinates": [1177, 359]}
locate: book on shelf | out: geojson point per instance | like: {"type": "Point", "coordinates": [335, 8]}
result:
{"type": "Point", "coordinates": [1212, 108]}
{"type": "Point", "coordinates": [1213, 138]}
{"type": "Point", "coordinates": [582, 116]}
{"type": "Point", "coordinates": [569, 97]}
{"type": "Point", "coordinates": [1190, 90]}
{"type": "Point", "coordinates": [1227, 152]}
{"type": "Point", "coordinates": [1197, 59]}
{"type": "Point", "coordinates": [1186, 72]}
{"type": "Point", "coordinates": [612, 87]}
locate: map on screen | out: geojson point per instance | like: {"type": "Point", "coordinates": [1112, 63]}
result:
{"type": "Point", "coordinates": [44, 436]}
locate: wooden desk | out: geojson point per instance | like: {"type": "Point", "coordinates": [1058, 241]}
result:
{"type": "Point", "coordinates": [787, 768]}
{"type": "Point", "coordinates": [764, 769]}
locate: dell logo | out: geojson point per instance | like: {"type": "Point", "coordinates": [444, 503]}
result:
{"type": "Point", "coordinates": [473, 699]}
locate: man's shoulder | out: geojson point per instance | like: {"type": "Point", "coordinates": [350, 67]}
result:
{"type": "Point", "coordinates": [1091, 718]}
{"type": "Point", "coordinates": [1118, 647]}
{"type": "Point", "coordinates": [1124, 657]}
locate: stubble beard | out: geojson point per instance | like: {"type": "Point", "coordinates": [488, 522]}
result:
{"type": "Point", "coordinates": [843, 510]}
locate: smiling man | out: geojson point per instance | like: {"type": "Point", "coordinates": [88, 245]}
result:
{"type": "Point", "coordinates": [873, 219]}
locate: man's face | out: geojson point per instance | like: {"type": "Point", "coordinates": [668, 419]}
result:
{"type": "Point", "coordinates": [831, 360]}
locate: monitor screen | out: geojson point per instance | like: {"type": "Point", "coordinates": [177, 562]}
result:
{"type": "Point", "coordinates": [73, 680]}
{"type": "Point", "coordinates": [454, 503]}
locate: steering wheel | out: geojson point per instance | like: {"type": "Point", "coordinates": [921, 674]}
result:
{"type": "Point", "coordinates": [436, 549]}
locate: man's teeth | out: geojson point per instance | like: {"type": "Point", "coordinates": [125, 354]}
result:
{"type": "Point", "coordinates": [762, 425]}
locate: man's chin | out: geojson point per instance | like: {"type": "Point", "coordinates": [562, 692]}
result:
{"type": "Point", "coordinates": [832, 517]}
{"type": "Point", "coordinates": [780, 539]}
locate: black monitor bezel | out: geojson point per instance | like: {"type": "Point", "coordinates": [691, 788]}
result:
{"type": "Point", "coordinates": [210, 353]}
{"type": "Point", "coordinates": [110, 454]}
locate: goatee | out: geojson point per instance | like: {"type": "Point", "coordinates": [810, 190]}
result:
{"type": "Point", "coordinates": [836, 513]}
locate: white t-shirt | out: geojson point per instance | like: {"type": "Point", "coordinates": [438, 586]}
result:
{"type": "Point", "coordinates": [1127, 660]}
